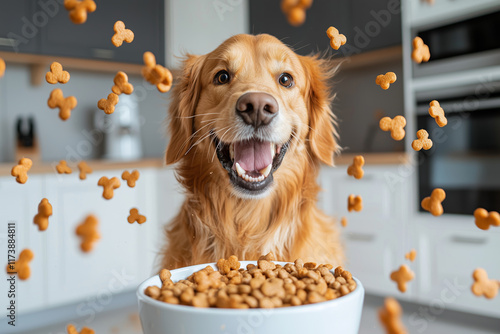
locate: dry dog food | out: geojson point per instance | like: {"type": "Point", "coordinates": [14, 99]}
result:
{"type": "Point", "coordinates": [433, 203]}
{"type": "Point", "coordinates": [402, 276]}
{"type": "Point", "coordinates": [56, 74]}
{"type": "Point", "coordinates": [63, 168]}
{"type": "Point", "coordinates": [265, 285]}
{"type": "Point", "coordinates": [136, 217]}
{"type": "Point", "coordinates": [2, 67]}
{"type": "Point", "coordinates": [385, 80]}
{"type": "Point", "coordinates": [22, 265]}
{"type": "Point", "coordinates": [485, 219]}
{"type": "Point", "coordinates": [295, 10]}
{"type": "Point", "coordinates": [420, 51]}
{"type": "Point", "coordinates": [411, 255]}
{"type": "Point", "coordinates": [356, 169]}
{"type": "Point", "coordinates": [87, 231]}
{"type": "Point", "coordinates": [65, 105]}
{"type": "Point", "coordinates": [483, 286]}
{"type": "Point", "coordinates": [78, 9]}
{"type": "Point", "coordinates": [437, 113]}
{"type": "Point", "coordinates": [121, 34]}
{"type": "Point", "coordinates": [108, 186]}
{"type": "Point", "coordinates": [336, 39]}
{"type": "Point", "coordinates": [343, 221]}
{"type": "Point", "coordinates": [131, 178]}
{"type": "Point", "coordinates": [354, 203]}
{"type": "Point", "coordinates": [20, 171]}
{"type": "Point", "coordinates": [422, 141]}
{"type": "Point", "coordinates": [85, 330]}
{"type": "Point", "coordinates": [84, 170]}
{"type": "Point", "coordinates": [121, 84]}
{"type": "Point", "coordinates": [390, 317]}
{"type": "Point", "coordinates": [108, 105]}
{"type": "Point", "coordinates": [156, 74]}
{"type": "Point", "coordinates": [396, 126]}
{"type": "Point", "coordinates": [42, 217]}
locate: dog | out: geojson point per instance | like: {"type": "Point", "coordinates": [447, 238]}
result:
{"type": "Point", "coordinates": [250, 124]}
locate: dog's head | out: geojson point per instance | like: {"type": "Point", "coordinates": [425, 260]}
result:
{"type": "Point", "coordinates": [255, 105]}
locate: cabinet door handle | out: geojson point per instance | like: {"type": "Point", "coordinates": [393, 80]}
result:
{"type": "Point", "coordinates": [366, 237]}
{"type": "Point", "coordinates": [469, 240]}
{"type": "Point", "coordinates": [103, 53]}
{"type": "Point", "coordinates": [7, 41]}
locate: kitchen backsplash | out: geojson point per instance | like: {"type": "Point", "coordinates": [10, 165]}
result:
{"type": "Point", "coordinates": [75, 138]}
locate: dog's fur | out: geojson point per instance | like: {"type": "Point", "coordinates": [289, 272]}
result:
{"type": "Point", "coordinates": [216, 220]}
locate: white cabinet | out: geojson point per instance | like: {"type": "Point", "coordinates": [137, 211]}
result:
{"type": "Point", "coordinates": [423, 13]}
{"type": "Point", "coordinates": [374, 237]}
{"type": "Point", "coordinates": [19, 204]}
{"type": "Point", "coordinates": [199, 26]}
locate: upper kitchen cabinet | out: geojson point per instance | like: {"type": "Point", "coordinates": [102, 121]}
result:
{"type": "Point", "coordinates": [19, 26]}
{"type": "Point", "coordinates": [367, 24]}
{"type": "Point", "coordinates": [92, 39]}
{"type": "Point", "coordinates": [55, 35]}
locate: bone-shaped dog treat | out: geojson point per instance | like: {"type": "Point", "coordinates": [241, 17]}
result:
{"type": "Point", "coordinates": [65, 105]}
{"type": "Point", "coordinates": [131, 178]}
{"type": "Point", "coordinates": [354, 203]}
{"type": "Point", "coordinates": [63, 168]}
{"type": "Point", "coordinates": [343, 221]}
{"type": "Point", "coordinates": [2, 67]}
{"type": "Point", "coordinates": [78, 9]}
{"type": "Point", "coordinates": [56, 74]}
{"type": "Point", "coordinates": [121, 34]}
{"type": "Point", "coordinates": [485, 219]}
{"type": "Point", "coordinates": [356, 169]}
{"type": "Point", "coordinates": [42, 217]}
{"type": "Point", "coordinates": [385, 80]}
{"type": "Point", "coordinates": [396, 126]}
{"type": "Point", "coordinates": [423, 141]}
{"type": "Point", "coordinates": [22, 265]}
{"type": "Point", "coordinates": [20, 171]}
{"type": "Point", "coordinates": [336, 39]}
{"type": "Point", "coordinates": [136, 217]}
{"type": "Point", "coordinates": [411, 255]}
{"type": "Point", "coordinates": [402, 276]}
{"type": "Point", "coordinates": [85, 330]}
{"type": "Point", "coordinates": [108, 186]}
{"type": "Point", "coordinates": [433, 203]}
{"type": "Point", "coordinates": [226, 266]}
{"type": "Point", "coordinates": [84, 170]}
{"type": "Point", "coordinates": [108, 105]}
{"type": "Point", "coordinates": [121, 84]}
{"type": "Point", "coordinates": [437, 113]}
{"type": "Point", "coordinates": [156, 74]}
{"type": "Point", "coordinates": [88, 233]}
{"type": "Point", "coordinates": [420, 51]}
{"type": "Point", "coordinates": [295, 10]}
{"type": "Point", "coordinates": [483, 286]}
{"type": "Point", "coordinates": [390, 317]}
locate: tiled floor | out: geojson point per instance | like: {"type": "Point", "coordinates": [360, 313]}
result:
{"type": "Point", "coordinates": [126, 321]}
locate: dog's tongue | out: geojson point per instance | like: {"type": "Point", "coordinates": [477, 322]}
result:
{"type": "Point", "coordinates": [252, 155]}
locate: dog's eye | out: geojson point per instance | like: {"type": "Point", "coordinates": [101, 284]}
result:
{"type": "Point", "coordinates": [222, 77]}
{"type": "Point", "coordinates": [286, 80]}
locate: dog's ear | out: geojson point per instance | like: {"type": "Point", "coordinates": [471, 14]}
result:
{"type": "Point", "coordinates": [185, 95]}
{"type": "Point", "coordinates": [322, 133]}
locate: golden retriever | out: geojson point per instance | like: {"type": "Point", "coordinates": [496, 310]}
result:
{"type": "Point", "coordinates": [250, 123]}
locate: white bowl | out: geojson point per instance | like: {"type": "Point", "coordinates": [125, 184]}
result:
{"type": "Point", "coordinates": [341, 315]}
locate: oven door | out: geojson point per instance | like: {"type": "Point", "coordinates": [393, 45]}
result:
{"type": "Point", "coordinates": [465, 157]}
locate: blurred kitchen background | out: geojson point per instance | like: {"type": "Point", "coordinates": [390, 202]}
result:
{"type": "Point", "coordinates": [98, 289]}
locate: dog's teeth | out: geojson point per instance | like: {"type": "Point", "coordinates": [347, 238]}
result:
{"type": "Point", "coordinates": [265, 171]}
{"type": "Point", "coordinates": [231, 151]}
{"type": "Point", "coordinates": [240, 171]}
{"type": "Point", "coordinates": [273, 149]}
{"type": "Point", "coordinates": [278, 149]}
{"type": "Point", "coordinates": [261, 178]}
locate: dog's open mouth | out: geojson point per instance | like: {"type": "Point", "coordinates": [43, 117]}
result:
{"type": "Point", "coordinates": [250, 163]}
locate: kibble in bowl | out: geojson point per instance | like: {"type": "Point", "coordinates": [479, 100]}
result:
{"type": "Point", "coordinates": [251, 297]}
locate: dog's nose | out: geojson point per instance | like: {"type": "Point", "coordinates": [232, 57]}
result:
{"type": "Point", "coordinates": [257, 109]}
